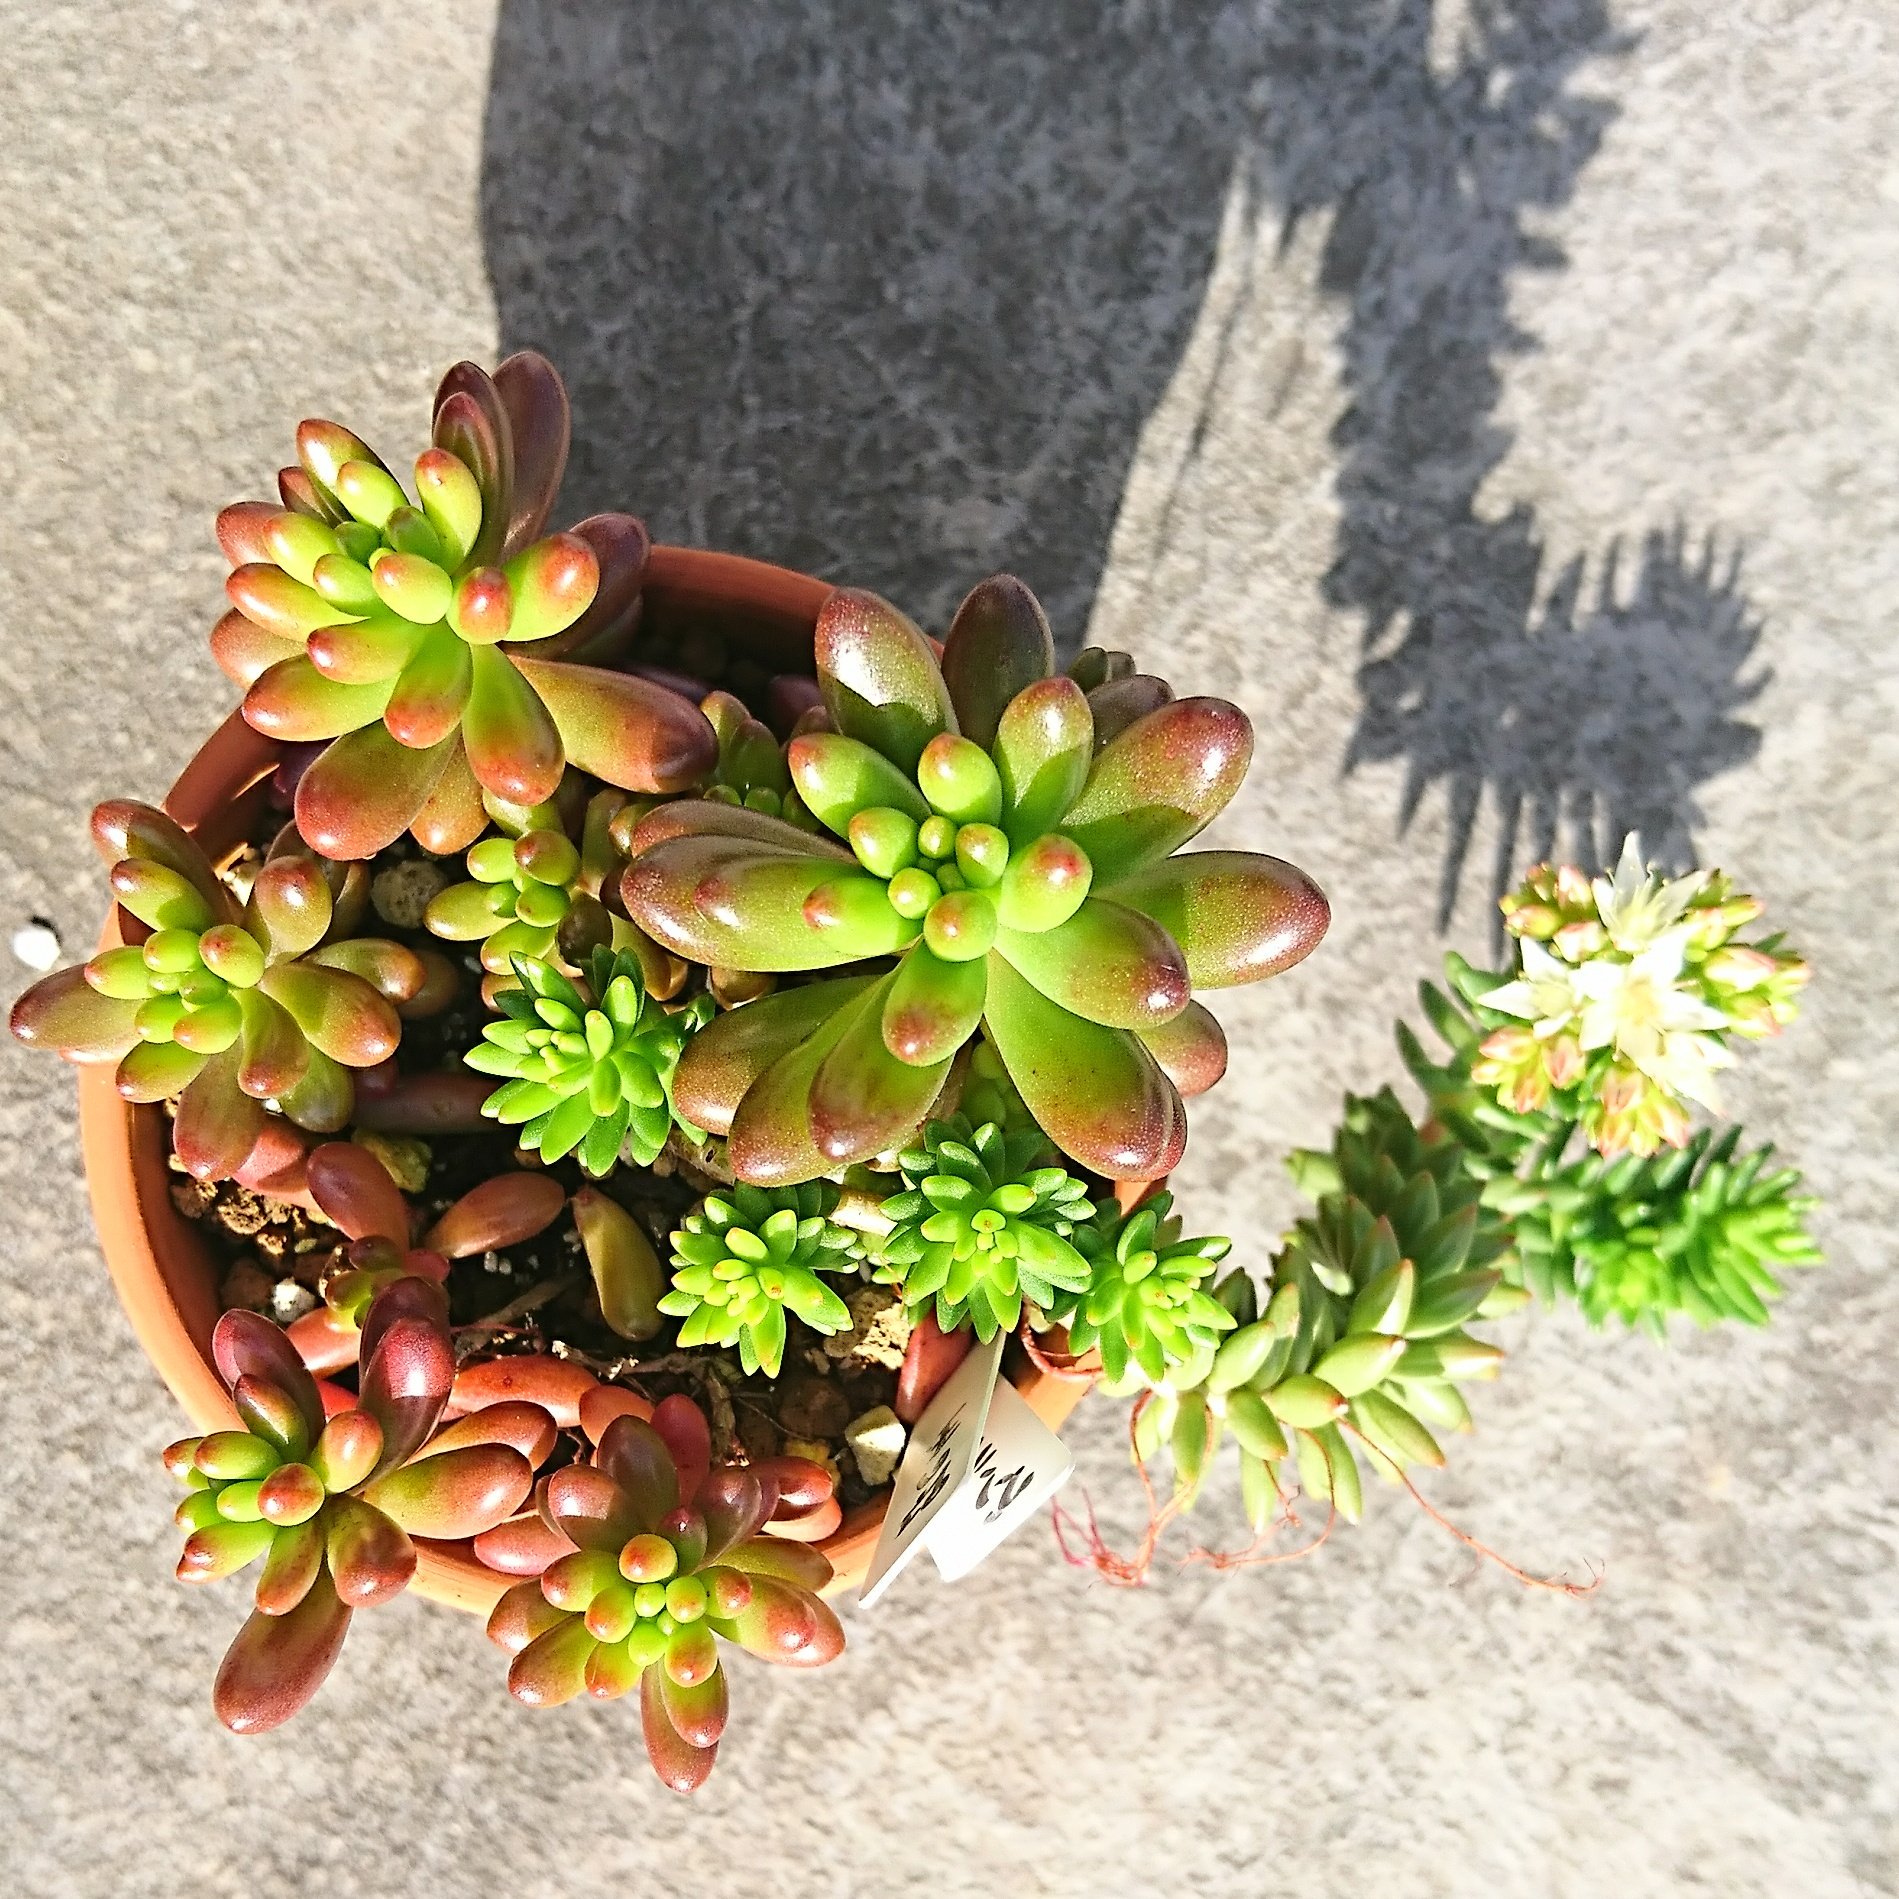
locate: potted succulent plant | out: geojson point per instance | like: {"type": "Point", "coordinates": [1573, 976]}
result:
{"type": "Point", "coordinates": [585, 1052]}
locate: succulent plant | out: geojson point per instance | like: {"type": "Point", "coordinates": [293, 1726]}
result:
{"type": "Point", "coordinates": [1696, 1231]}
{"type": "Point", "coordinates": [668, 1561]}
{"type": "Point", "coordinates": [588, 1068]}
{"type": "Point", "coordinates": [1023, 877]}
{"type": "Point", "coordinates": [983, 1226]}
{"type": "Point", "coordinates": [434, 641]}
{"type": "Point", "coordinates": [522, 890]}
{"type": "Point", "coordinates": [751, 770]}
{"type": "Point", "coordinates": [1361, 1346]}
{"type": "Point", "coordinates": [1145, 1306]}
{"type": "Point", "coordinates": [331, 1505]}
{"type": "Point", "coordinates": [235, 1010]}
{"type": "Point", "coordinates": [1627, 993]}
{"type": "Point", "coordinates": [746, 1256]}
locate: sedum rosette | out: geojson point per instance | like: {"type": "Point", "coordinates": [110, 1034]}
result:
{"type": "Point", "coordinates": [434, 639]}
{"type": "Point", "coordinates": [746, 1257]}
{"type": "Point", "coordinates": [238, 1011]}
{"type": "Point", "coordinates": [331, 1505]}
{"type": "Point", "coordinates": [1146, 1306]}
{"type": "Point", "coordinates": [588, 1066]}
{"type": "Point", "coordinates": [1022, 874]}
{"type": "Point", "coordinates": [983, 1228]}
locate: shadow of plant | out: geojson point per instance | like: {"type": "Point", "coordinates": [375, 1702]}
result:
{"type": "Point", "coordinates": [1584, 713]}
{"type": "Point", "coordinates": [887, 292]}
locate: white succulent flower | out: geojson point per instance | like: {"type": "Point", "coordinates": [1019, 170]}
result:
{"type": "Point", "coordinates": [1642, 1010]}
{"type": "Point", "coordinates": [1548, 994]}
{"type": "Point", "coordinates": [1636, 907]}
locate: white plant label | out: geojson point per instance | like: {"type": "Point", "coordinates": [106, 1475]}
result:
{"type": "Point", "coordinates": [978, 1465]}
{"type": "Point", "coordinates": [1020, 1465]}
{"type": "Point", "coordinates": [936, 1462]}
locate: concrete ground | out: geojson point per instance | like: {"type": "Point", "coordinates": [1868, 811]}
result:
{"type": "Point", "coordinates": [1499, 404]}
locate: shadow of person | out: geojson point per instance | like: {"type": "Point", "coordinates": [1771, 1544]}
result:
{"type": "Point", "coordinates": [887, 292]}
{"type": "Point", "coordinates": [880, 291]}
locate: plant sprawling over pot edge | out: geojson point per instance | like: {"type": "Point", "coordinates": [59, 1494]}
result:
{"type": "Point", "coordinates": [728, 1049]}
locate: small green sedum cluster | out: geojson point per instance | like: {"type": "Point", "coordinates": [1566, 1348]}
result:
{"type": "Point", "coordinates": [587, 1066]}
{"type": "Point", "coordinates": [747, 1257]}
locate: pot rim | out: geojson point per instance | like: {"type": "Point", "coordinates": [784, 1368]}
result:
{"type": "Point", "coordinates": [162, 1269]}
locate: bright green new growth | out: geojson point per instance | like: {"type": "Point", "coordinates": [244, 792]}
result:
{"type": "Point", "coordinates": [1145, 1305]}
{"type": "Point", "coordinates": [1688, 1229]}
{"type": "Point", "coordinates": [982, 1227]}
{"type": "Point", "coordinates": [522, 891]}
{"type": "Point", "coordinates": [747, 1255]}
{"type": "Point", "coordinates": [1361, 1347]}
{"type": "Point", "coordinates": [1693, 1231]}
{"type": "Point", "coordinates": [589, 1071]}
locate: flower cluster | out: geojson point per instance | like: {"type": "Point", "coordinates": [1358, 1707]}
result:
{"type": "Point", "coordinates": [1627, 992]}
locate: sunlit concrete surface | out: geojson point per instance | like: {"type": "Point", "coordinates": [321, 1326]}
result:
{"type": "Point", "coordinates": [1504, 409]}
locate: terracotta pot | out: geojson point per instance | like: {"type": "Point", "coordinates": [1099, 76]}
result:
{"type": "Point", "coordinates": [161, 1265]}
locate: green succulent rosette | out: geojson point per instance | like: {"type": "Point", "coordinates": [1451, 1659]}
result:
{"type": "Point", "coordinates": [1701, 1231]}
{"type": "Point", "coordinates": [432, 639]}
{"type": "Point", "coordinates": [1021, 873]}
{"type": "Point", "coordinates": [587, 1067]}
{"type": "Point", "coordinates": [520, 891]}
{"type": "Point", "coordinates": [1146, 1306]}
{"type": "Point", "coordinates": [751, 770]}
{"type": "Point", "coordinates": [747, 1256]}
{"type": "Point", "coordinates": [1362, 1347]}
{"type": "Point", "coordinates": [983, 1228]}
{"type": "Point", "coordinates": [240, 1012]}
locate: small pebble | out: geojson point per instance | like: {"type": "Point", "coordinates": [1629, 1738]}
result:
{"type": "Point", "coordinates": [401, 892]}
{"type": "Point", "coordinates": [36, 944]}
{"type": "Point", "coordinates": [876, 1440]}
{"type": "Point", "coordinates": [290, 1301]}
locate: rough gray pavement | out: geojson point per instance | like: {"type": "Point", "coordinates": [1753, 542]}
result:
{"type": "Point", "coordinates": [1501, 407]}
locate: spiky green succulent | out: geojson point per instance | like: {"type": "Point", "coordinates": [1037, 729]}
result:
{"type": "Point", "coordinates": [1628, 992]}
{"type": "Point", "coordinates": [1700, 1231]}
{"type": "Point", "coordinates": [239, 1011]}
{"type": "Point", "coordinates": [747, 1256]}
{"type": "Point", "coordinates": [1145, 1306]}
{"type": "Point", "coordinates": [1361, 1347]}
{"type": "Point", "coordinates": [982, 1227]}
{"type": "Point", "coordinates": [667, 1561]}
{"type": "Point", "coordinates": [331, 1505]}
{"type": "Point", "coordinates": [588, 1065]}
{"type": "Point", "coordinates": [1023, 875]}
{"type": "Point", "coordinates": [431, 640]}
{"type": "Point", "coordinates": [521, 890]}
